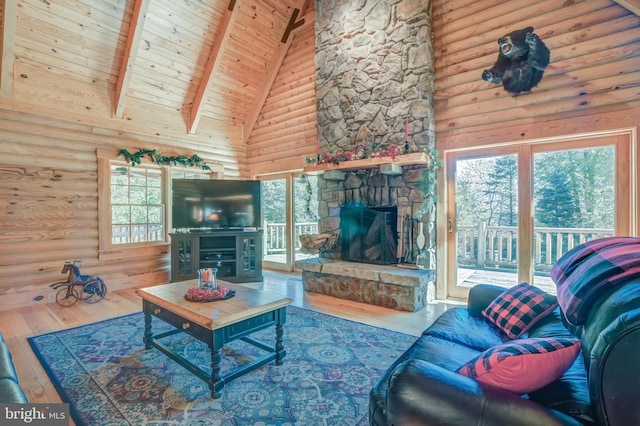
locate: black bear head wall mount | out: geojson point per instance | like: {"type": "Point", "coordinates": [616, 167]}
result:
{"type": "Point", "coordinates": [522, 58]}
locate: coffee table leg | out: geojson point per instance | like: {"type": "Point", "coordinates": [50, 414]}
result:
{"type": "Point", "coordinates": [147, 338]}
{"type": "Point", "coordinates": [280, 352]}
{"type": "Point", "coordinates": [216, 383]}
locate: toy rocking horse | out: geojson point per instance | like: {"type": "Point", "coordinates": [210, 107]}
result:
{"type": "Point", "coordinates": [88, 288]}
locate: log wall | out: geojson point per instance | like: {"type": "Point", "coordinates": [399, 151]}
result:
{"type": "Point", "coordinates": [49, 198]}
{"type": "Point", "coordinates": [48, 136]}
{"type": "Point", "coordinates": [592, 83]}
{"type": "Point", "coordinates": [286, 130]}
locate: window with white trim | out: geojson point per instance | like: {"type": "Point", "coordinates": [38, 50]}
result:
{"type": "Point", "coordinates": [137, 207]}
{"type": "Point", "coordinates": [134, 204]}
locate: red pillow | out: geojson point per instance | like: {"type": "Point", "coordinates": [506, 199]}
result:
{"type": "Point", "coordinates": [525, 365]}
{"type": "Point", "coordinates": [517, 309]}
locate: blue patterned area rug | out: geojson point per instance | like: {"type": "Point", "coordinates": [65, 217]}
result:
{"type": "Point", "coordinates": [108, 377]}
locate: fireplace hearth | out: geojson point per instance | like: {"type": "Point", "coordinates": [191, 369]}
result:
{"type": "Point", "coordinates": [369, 234]}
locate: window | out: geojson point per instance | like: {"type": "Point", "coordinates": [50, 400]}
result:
{"type": "Point", "coordinates": [512, 211]}
{"type": "Point", "coordinates": [133, 205]}
{"type": "Point", "coordinates": [137, 208]}
{"type": "Point", "coordinates": [289, 206]}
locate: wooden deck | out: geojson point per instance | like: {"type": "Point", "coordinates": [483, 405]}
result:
{"type": "Point", "coordinates": [468, 277]}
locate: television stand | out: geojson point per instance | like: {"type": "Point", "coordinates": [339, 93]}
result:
{"type": "Point", "coordinates": [237, 254]}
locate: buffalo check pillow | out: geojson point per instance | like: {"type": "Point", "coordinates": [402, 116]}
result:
{"type": "Point", "coordinates": [517, 309]}
{"type": "Point", "coordinates": [525, 365]}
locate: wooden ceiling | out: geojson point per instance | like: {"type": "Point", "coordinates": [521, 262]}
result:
{"type": "Point", "coordinates": [198, 58]}
{"type": "Point", "coordinates": [632, 5]}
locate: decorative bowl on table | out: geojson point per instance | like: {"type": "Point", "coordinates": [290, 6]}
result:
{"type": "Point", "coordinates": [202, 294]}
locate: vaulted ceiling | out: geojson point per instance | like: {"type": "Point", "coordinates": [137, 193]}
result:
{"type": "Point", "coordinates": [196, 58]}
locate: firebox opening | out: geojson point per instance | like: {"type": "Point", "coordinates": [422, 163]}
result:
{"type": "Point", "coordinates": [369, 234]}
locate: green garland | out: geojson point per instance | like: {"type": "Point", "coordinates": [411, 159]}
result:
{"type": "Point", "coordinates": [162, 160]}
{"type": "Point", "coordinates": [428, 183]}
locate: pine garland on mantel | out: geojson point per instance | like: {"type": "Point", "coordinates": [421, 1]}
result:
{"type": "Point", "coordinates": [157, 158]}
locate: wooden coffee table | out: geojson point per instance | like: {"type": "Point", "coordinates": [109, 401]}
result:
{"type": "Point", "coordinates": [215, 324]}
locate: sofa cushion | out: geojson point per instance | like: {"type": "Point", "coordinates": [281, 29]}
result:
{"type": "Point", "coordinates": [518, 308]}
{"type": "Point", "coordinates": [456, 325]}
{"type": "Point", "coordinates": [587, 272]}
{"type": "Point", "coordinates": [443, 353]}
{"type": "Point", "coordinates": [524, 365]}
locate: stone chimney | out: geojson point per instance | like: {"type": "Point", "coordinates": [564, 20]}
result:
{"type": "Point", "coordinates": [375, 89]}
{"type": "Point", "coordinates": [375, 74]}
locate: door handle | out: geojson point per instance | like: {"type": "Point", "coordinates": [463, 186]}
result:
{"type": "Point", "coordinates": [450, 225]}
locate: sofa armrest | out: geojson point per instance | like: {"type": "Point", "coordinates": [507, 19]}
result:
{"type": "Point", "coordinates": [480, 296]}
{"type": "Point", "coordinates": [10, 390]}
{"type": "Point", "coordinates": [421, 393]}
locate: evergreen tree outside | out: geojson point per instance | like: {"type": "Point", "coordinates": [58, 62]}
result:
{"type": "Point", "coordinates": [572, 189]}
{"type": "Point", "coordinates": [503, 186]}
{"type": "Point", "coordinates": [575, 188]}
{"type": "Point", "coordinates": [557, 203]}
{"type": "Point", "coordinates": [305, 197]}
{"type": "Point", "coordinates": [274, 201]}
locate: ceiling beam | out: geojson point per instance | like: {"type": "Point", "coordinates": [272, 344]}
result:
{"type": "Point", "coordinates": [213, 63]}
{"type": "Point", "coordinates": [9, 17]}
{"type": "Point", "coordinates": [292, 25]}
{"type": "Point", "coordinates": [129, 55]}
{"type": "Point", "coordinates": [274, 67]}
{"type": "Point", "coordinates": [632, 5]}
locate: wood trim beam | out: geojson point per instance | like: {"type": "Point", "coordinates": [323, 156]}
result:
{"type": "Point", "coordinates": [213, 63]}
{"type": "Point", "coordinates": [632, 5]}
{"type": "Point", "coordinates": [292, 25]}
{"type": "Point", "coordinates": [129, 56]}
{"type": "Point", "coordinates": [274, 68]}
{"type": "Point", "coordinates": [9, 18]}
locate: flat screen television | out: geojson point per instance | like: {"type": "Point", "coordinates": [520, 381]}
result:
{"type": "Point", "coordinates": [215, 204]}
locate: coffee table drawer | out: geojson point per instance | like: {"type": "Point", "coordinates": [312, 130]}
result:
{"type": "Point", "coordinates": [251, 325]}
{"type": "Point", "coordinates": [199, 332]}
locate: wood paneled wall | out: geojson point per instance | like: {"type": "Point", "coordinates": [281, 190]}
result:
{"type": "Point", "coordinates": [48, 200]}
{"type": "Point", "coordinates": [48, 137]}
{"type": "Point", "coordinates": [592, 83]}
{"type": "Point", "coordinates": [286, 130]}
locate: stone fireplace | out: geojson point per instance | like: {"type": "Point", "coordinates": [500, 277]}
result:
{"type": "Point", "coordinates": [373, 190]}
{"type": "Point", "coordinates": [374, 88]}
{"type": "Point", "coordinates": [375, 91]}
{"type": "Point", "coordinates": [369, 235]}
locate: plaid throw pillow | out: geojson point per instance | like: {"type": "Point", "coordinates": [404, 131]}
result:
{"type": "Point", "coordinates": [523, 366]}
{"type": "Point", "coordinates": [516, 310]}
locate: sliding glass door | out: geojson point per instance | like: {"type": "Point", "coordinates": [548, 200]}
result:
{"type": "Point", "coordinates": [512, 212]}
{"type": "Point", "coordinates": [289, 208]}
{"type": "Point", "coordinates": [275, 217]}
{"type": "Point", "coordinates": [486, 217]}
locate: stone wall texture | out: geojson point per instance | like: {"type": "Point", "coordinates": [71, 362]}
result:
{"type": "Point", "coordinates": [374, 87]}
{"type": "Point", "coordinates": [369, 188]}
{"type": "Point", "coordinates": [390, 287]}
{"type": "Point", "coordinates": [375, 74]}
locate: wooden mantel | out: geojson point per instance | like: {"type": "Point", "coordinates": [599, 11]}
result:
{"type": "Point", "coordinates": [414, 158]}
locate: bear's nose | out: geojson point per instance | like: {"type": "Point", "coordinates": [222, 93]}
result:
{"type": "Point", "coordinates": [502, 40]}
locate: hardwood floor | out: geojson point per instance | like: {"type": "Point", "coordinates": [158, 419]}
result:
{"type": "Point", "coordinates": [18, 324]}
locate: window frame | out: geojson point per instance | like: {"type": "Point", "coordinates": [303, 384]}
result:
{"type": "Point", "coordinates": [148, 172]}
{"type": "Point", "coordinates": [107, 250]}
{"type": "Point", "coordinates": [627, 199]}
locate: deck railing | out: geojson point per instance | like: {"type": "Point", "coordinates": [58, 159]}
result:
{"type": "Point", "coordinates": [274, 234]}
{"type": "Point", "coordinates": [275, 239]}
{"type": "Point", "coordinates": [123, 234]}
{"type": "Point", "coordinates": [485, 246]}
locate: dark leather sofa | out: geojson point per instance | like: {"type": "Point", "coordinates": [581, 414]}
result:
{"type": "Point", "coordinates": [10, 390]}
{"type": "Point", "coordinates": [602, 387]}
